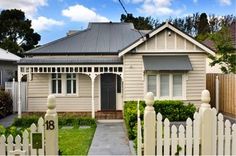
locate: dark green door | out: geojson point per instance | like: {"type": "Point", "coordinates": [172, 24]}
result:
{"type": "Point", "coordinates": [108, 92]}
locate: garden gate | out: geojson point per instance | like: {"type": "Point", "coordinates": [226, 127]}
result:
{"type": "Point", "coordinates": [39, 140]}
{"type": "Point", "coordinates": [207, 134]}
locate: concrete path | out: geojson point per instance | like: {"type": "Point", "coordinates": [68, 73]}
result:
{"type": "Point", "coordinates": [7, 121]}
{"type": "Point", "coordinates": [110, 139]}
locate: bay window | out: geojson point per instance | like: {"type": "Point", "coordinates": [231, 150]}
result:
{"type": "Point", "coordinates": [152, 84]}
{"type": "Point", "coordinates": [167, 85]}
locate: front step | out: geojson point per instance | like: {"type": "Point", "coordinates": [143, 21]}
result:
{"type": "Point", "coordinates": [109, 115]}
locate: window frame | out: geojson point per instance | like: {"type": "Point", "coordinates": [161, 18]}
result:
{"type": "Point", "coordinates": [171, 85]}
{"type": "Point", "coordinates": [71, 79]}
{"type": "Point", "coordinates": [56, 79]}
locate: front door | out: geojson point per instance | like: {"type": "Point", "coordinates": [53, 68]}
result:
{"type": "Point", "coordinates": [108, 92]}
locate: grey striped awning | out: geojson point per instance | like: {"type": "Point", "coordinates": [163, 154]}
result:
{"type": "Point", "coordinates": [167, 63]}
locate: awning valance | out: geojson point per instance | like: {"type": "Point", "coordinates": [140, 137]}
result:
{"type": "Point", "coordinates": [167, 63]}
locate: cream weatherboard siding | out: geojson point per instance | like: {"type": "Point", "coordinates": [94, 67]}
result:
{"type": "Point", "coordinates": [39, 89]}
{"type": "Point", "coordinates": [164, 43]}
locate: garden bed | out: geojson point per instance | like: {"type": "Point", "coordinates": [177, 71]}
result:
{"type": "Point", "coordinates": [75, 139]}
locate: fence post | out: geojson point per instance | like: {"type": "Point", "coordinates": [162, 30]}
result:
{"type": "Point", "coordinates": [149, 125]}
{"type": "Point", "coordinates": [217, 94]}
{"type": "Point", "coordinates": [206, 124]}
{"type": "Point", "coordinates": [51, 127]}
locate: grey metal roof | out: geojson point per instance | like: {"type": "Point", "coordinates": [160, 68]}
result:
{"type": "Point", "coordinates": [97, 38]}
{"type": "Point", "coordinates": [78, 60]}
{"type": "Point", "coordinates": [167, 63]}
{"type": "Point", "coordinates": [7, 56]}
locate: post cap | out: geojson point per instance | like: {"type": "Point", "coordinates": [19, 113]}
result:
{"type": "Point", "coordinates": [51, 102]}
{"type": "Point", "coordinates": [205, 98]}
{"type": "Point", "coordinates": [149, 99]}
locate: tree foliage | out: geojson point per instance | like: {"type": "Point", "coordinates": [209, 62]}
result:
{"type": "Point", "coordinates": [140, 23]}
{"type": "Point", "coordinates": [16, 34]}
{"type": "Point", "coordinates": [226, 53]}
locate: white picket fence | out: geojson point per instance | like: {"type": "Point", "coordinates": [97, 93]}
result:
{"type": "Point", "coordinates": [206, 134]}
{"type": "Point", "coordinates": [23, 145]}
{"type": "Point", "coordinates": [47, 130]}
{"type": "Point", "coordinates": [12, 88]}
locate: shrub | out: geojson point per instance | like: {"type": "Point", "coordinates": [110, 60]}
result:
{"type": "Point", "coordinates": [174, 110]}
{"type": "Point", "coordinates": [25, 121]}
{"type": "Point", "coordinates": [67, 120]}
{"type": "Point", "coordinates": [6, 107]}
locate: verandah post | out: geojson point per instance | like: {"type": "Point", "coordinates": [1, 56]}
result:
{"type": "Point", "coordinates": [149, 125]}
{"type": "Point", "coordinates": [51, 127]}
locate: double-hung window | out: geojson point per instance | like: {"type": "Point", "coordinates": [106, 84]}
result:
{"type": "Point", "coordinates": [71, 83]}
{"type": "Point", "coordinates": [152, 84]}
{"type": "Point", "coordinates": [167, 85]}
{"type": "Point", "coordinates": [56, 84]}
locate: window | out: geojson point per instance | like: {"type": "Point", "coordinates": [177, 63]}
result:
{"type": "Point", "coordinates": [177, 85]}
{"type": "Point", "coordinates": [152, 84]}
{"type": "Point", "coordinates": [56, 83]}
{"type": "Point", "coordinates": [167, 86]}
{"type": "Point", "coordinates": [164, 85]}
{"type": "Point", "coordinates": [71, 83]}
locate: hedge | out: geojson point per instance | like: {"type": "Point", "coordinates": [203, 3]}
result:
{"type": "Point", "coordinates": [6, 106]}
{"type": "Point", "coordinates": [26, 121]}
{"type": "Point", "coordinates": [174, 110]}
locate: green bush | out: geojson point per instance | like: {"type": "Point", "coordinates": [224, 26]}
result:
{"type": "Point", "coordinates": [67, 120]}
{"type": "Point", "coordinates": [25, 121]}
{"type": "Point", "coordinates": [174, 110]}
{"type": "Point", "coordinates": [6, 107]}
{"type": "Point", "coordinates": [14, 131]}
{"type": "Point", "coordinates": [76, 121]}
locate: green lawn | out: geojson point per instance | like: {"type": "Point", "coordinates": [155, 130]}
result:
{"type": "Point", "coordinates": [75, 141]}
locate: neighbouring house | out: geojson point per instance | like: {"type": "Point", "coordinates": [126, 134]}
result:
{"type": "Point", "coordinates": [209, 43]}
{"type": "Point", "coordinates": [8, 66]}
{"type": "Point", "coordinates": [99, 68]}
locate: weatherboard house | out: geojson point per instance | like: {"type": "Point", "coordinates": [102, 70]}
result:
{"type": "Point", "coordinates": [99, 68]}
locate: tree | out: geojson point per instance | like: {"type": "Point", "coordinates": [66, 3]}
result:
{"type": "Point", "coordinates": [140, 23]}
{"type": "Point", "coordinates": [16, 34]}
{"type": "Point", "coordinates": [225, 52]}
{"type": "Point", "coordinates": [203, 27]}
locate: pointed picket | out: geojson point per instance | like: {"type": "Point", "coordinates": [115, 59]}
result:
{"type": "Point", "coordinates": [9, 143]}
{"type": "Point", "coordinates": [26, 142]}
{"type": "Point", "coordinates": [18, 142]}
{"type": "Point", "coordinates": [227, 137]}
{"type": "Point", "coordinates": [196, 136]}
{"type": "Point", "coordinates": [214, 129]}
{"type": "Point", "coordinates": [181, 140]}
{"type": "Point", "coordinates": [2, 145]}
{"type": "Point", "coordinates": [173, 140]}
{"type": "Point", "coordinates": [189, 137]}
{"type": "Point", "coordinates": [233, 139]}
{"type": "Point", "coordinates": [166, 137]}
{"type": "Point", "coordinates": [41, 130]}
{"type": "Point", "coordinates": [159, 134]}
{"type": "Point", "coordinates": [139, 137]}
{"type": "Point", "coordinates": [220, 134]}
{"type": "Point", "coordinates": [33, 129]}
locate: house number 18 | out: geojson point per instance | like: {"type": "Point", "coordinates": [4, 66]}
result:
{"type": "Point", "coordinates": [50, 125]}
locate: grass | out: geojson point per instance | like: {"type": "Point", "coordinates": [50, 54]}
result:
{"type": "Point", "coordinates": [75, 141]}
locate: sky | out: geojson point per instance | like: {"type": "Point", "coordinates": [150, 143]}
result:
{"type": "Point", "coordinates": [52, 19]}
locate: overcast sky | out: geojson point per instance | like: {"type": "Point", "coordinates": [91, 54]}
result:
{"type": "Point", "coordinates": [53, 18]}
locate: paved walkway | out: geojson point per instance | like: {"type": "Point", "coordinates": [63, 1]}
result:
{"type": "Point", "coordinates": [7, 121]}
{"type": "Point", "coordinates": [110, 139]}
